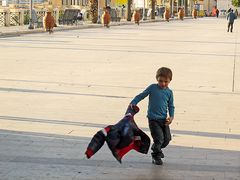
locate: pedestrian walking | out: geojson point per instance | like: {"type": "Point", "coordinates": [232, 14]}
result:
{"type": "Point", "coordinates": [123, 11]}
{"type": "Point", "coordinates": [217, 13]}
{"type": "Point", "coordinates": [230, 17]}
{"type": "Point", "coordinates": [229, 10]}
{"type": "Point", "coordinates": [236, 13]}
{"type": "Point", "coordinates": [160, 101]}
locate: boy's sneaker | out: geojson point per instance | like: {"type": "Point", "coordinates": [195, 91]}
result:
{"type": "Point", "coordinates": [157, 161]}
{"type": "Point", "coordinates": [160, 154]}
{"type": "Point", "coordinates": [156, 158]}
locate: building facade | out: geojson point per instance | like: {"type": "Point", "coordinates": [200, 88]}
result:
{"type": "Point", "coordinates": [224, 4]}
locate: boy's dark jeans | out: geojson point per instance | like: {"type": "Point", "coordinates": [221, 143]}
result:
{"type": "Point", "coordinates": [161, 136]}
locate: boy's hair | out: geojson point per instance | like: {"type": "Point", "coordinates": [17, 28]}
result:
{"type": "Point", "coordinates": [164, 72]}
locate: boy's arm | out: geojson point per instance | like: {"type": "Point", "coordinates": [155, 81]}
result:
{"type": "Point", "coordinates": [141, 96]}
{"type": "Point", "coordinates": [171, 109]}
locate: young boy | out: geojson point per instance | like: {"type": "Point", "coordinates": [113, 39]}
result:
{"type": "Point", "coordinates": [160, 101]}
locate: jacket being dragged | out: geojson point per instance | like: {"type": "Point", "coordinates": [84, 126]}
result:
{"type": "Point", "coordinates": [121, 137]}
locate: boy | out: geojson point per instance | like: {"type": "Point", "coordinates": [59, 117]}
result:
{"type": "Point", "coordinates": [160, 101]}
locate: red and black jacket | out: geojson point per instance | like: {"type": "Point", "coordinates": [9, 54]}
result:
{"type": "Point", "coordinates": [121, 137]}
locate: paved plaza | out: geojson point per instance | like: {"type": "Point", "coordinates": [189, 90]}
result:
{"type": "Point", "coordinates": [58, 90]}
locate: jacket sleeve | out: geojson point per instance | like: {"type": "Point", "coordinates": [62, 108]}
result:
{"type": "Point", "coordinates": [171, 107]}
{"type": "Point", "coordinates": [141, 96]}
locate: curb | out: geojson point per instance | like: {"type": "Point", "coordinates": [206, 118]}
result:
{"type": "Point", "coordinates": [88, 26]}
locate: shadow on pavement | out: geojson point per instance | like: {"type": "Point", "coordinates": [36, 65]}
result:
{"type": "Point", "coordinates": [40, 155]}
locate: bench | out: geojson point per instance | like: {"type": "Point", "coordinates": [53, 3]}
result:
{"type": "Point", "coordinates": [71, 16]}
{"type": "Point", "coordinates": [115, 15]}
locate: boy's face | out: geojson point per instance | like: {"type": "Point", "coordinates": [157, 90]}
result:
{"type": "Point", "coordinates": [163, 82]}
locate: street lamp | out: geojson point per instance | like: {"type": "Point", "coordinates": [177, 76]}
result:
{"type": "Point", "coordinates": [144, 10]}
{"type": "Point", "coordinates": [31, 26]}
{"type": "Point", "coordinates": [99, 18]}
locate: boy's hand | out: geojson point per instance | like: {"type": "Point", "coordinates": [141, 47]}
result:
{"type": "Point", "coordinates": [168, 121]}
{"type": "Point", "coordinates": [131, 106]}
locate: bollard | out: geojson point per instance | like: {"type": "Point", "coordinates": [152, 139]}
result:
{"type": "Point", "coordinates": [7, 17]}
{"type": "Point", "coordinates": [181, 14]}
{"type": "Point", "coordinates": [194, 13]}
{"type": "Point", "coordinates": [136, 16]}
{"type": "Point", "coordinates": [56, 15]}
{"type": "Point", "coordinates": [167, 14]}
{"type": "Point", "coordinates": [21, 18]}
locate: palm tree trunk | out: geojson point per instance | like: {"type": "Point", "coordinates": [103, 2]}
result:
{"type": "Point", "coordinates": [153, 9]}
{"type": "Point", "coordinates": [94, 10]}
{"type": "Point", "coordinates": [186, 7]}
{"type": "Point", "coordinates": [129, 12]}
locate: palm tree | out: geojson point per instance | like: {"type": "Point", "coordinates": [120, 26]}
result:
{"type": "Point", "coordinates": [236, 3]}
{"type": "Point", "coordinates": [153, 2]}
{"type": "Point", "coordinates": [94, 10]}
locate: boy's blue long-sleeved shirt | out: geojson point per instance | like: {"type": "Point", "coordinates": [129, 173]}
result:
{"type": "Point", "coordinates": [160, 101]}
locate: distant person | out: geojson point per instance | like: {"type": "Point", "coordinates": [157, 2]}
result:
{"type": "Point", "coordinates": [79, 16]}
{"type": "Point", "coordinates": [217, 13]}
{"type": "Point", "coordinates": [231, 17]}
{"type": "Point", "coordinates": [123, 11]}
{"type": "Point", "coordinates": [236, 13]}
{"type": "Point", "coordinates": [229, 10]}
{"type": "Point", "coordinates": [167, 14]}
{"type": "Point", "coordinates": [161, 12]}
{"type": "Point", "coordinates": [34, 18]}
{"type": "Point", "coordinates": [160, 104]}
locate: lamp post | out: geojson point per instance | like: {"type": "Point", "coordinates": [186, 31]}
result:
{"type": "Point", "coordinates": [144, 10]}
{"type": "Point", "coordinates": [99, 18]}
{"type": "Point", "coordinates": [31, 26]}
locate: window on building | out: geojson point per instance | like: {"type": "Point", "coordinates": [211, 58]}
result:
{"type": "Point", "coordinates": [84, 2]}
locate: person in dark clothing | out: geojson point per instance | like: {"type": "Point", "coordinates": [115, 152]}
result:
{"type": "Point", "coordinates": [217, 13]}
{"type": "Point", "coordinates": [231, 17]}
{"type": "Point", "coordinates": [236, 13]}
{"type": "Point", "coordinates": [159, 106]}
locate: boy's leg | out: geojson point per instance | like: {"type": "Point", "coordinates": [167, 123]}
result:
{"type": "Point", "coordinates": [167, 136]}
{"type": "Point", "coordinates": [158, 139]}
{"type": "Point", "coordinates": [231, 27]}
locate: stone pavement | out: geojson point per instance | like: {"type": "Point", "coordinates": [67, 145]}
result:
{"type": "Point", "coordinates": [57, 90]}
